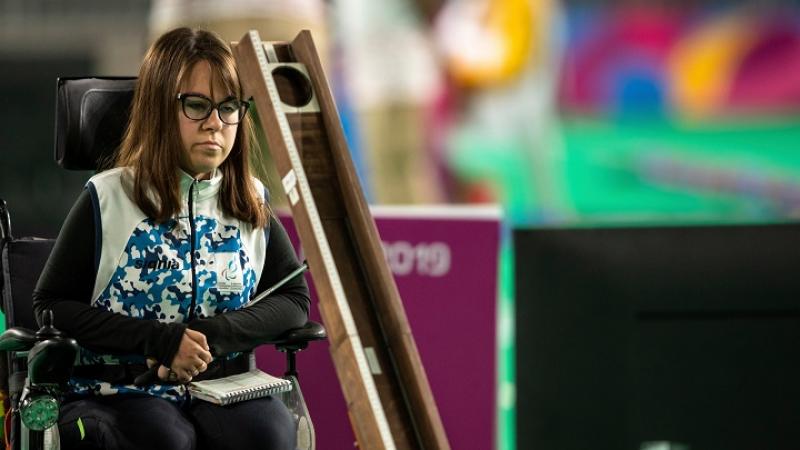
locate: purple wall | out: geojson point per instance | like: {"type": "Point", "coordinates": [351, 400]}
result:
{"type": "Point", "coordinates": [445, 265]}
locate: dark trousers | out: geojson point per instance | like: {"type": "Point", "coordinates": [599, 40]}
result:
{"type": "Point", "coordinates": [127, 422]}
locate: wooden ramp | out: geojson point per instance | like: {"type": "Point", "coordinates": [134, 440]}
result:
{"type": "Point", "coordinates": [388, 397]}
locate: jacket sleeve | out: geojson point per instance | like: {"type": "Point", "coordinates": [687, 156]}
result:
{"type": "Point", "coordinates": [287, 307]}
{"type": "Point", "coordinates": [65, 287]}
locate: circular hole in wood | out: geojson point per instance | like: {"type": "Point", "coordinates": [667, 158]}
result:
{"type": "Point", "coordinates": [294, 88]}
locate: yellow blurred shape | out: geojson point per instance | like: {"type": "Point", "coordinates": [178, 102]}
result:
{"type": "Point", "coordinates": [498, 42]}
{"type": "Point", "coordinates": [702, 66]}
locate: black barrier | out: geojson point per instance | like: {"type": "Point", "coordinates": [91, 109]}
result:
{"type": "Point", "coordinates": [667, 337]}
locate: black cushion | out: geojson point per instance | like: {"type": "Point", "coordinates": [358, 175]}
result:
{"type": "Point", "coordinates": [91, 116]}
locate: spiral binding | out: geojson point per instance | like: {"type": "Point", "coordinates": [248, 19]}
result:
{"type": "Point", "coordinates": [253, 393]}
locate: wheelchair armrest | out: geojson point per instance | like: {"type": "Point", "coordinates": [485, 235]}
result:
{"type": "Point", "coordinates": [298, 338]}
{"type": "Point", "coordinates": [51, 354]}
{"type": "Point", "coordinates": [17, 339]}
{"type": "Point", "coordinates": [50, 361]}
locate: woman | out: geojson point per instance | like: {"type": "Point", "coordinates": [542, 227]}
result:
{"type": "Point", "coordinates": [158, 257]}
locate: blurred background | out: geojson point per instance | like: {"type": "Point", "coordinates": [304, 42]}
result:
{"type": "Point", "coordinates": [564, 112]}
{"type": "Point", "coordinates": [572, 112]}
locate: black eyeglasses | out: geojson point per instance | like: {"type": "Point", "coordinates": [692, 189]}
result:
{"type": "Point", "coordinates": [199, 107]}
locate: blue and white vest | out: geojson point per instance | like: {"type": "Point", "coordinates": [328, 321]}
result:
{"type": "Point", "coordinates": [146, 270]}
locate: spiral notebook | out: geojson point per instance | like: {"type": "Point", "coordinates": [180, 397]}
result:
{"type": "Point", "coordinates": [239, 387]}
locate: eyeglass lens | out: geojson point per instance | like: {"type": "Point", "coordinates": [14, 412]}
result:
{"type": "Point", "coordinates": [199, 108]}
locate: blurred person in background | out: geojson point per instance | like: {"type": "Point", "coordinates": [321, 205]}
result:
{"type": "Point", "coordinates": [499, 110]}
{"type": "Point", "coordinates": [390, 71]}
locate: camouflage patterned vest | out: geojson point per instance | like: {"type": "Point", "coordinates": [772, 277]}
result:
{"type": "Point", "coordinates": [146, 269]}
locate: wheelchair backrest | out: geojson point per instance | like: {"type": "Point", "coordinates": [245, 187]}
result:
{"type": "Point", "coordinates": [91, 116]}
{"type": "Point", "coordinates": [22, 262]}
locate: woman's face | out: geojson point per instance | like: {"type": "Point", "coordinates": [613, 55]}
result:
{"type": "Point", "coordinates": [207, 142]}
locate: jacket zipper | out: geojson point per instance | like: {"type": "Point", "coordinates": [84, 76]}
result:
{"type": "Point", "coordinates": [192, 249]}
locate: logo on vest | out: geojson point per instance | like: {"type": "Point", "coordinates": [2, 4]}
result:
{"type": "Point", "coordinates": [229, 272]}
{"type": "Point", "coordinates": [157, 264]}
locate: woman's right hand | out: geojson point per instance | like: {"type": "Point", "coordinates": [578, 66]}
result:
{"type": "Point", "coordinates": [193, 357]}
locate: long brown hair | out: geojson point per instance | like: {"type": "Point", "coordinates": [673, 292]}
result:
{"type": "Point", "coordinates": [152, 143]}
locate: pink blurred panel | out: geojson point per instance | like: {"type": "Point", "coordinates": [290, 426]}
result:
{"type": "Point", "coordinates": [446, 272]}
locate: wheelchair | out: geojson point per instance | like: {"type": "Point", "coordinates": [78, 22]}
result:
{"type": "Point", "coordinates": [91, 115]}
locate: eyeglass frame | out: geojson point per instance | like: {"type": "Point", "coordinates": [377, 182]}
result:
{"type": "Point", "coordinates": [244, 104]}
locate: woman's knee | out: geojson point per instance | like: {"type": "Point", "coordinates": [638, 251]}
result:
{"type": "Point", "coordinates": [256, 424]}
{"type": "Point", "coordinates": [158, 424]}
{"type": "Point", "coordinates": [277, 425]}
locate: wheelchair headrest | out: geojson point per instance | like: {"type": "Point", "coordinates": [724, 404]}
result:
{"type": "Point", "coordinates": [91, 116]}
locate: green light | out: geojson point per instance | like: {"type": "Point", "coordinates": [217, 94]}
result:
{"type": "Point", "coordinates": [39, 412]}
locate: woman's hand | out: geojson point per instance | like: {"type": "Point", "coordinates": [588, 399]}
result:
{"type": "Point", "coordinates": [193, 357]}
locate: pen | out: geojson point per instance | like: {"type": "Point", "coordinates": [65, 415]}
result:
{"type": "Point", "coordinates": [303, 267]}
